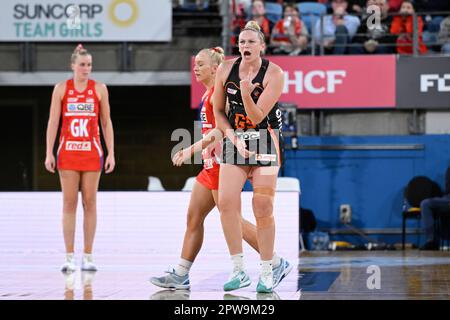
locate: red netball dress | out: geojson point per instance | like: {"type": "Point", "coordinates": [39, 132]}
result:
{"type": "Point", "coordinates": [79, 142]}
{"type": "Point", "coordinates": [209, 176]}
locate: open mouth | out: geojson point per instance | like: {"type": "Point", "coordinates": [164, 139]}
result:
{"type": "Point", "coordinates": [247, 53]}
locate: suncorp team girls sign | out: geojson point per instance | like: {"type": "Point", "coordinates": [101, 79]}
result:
{"type": "Point", "coordinates": [80, 20]}
{"type": "Point", "coordinates": [332, 82]}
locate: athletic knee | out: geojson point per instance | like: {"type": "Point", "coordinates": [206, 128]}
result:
{"type": "Point", "coordinates": [227, 206]}
{"type": "Point", "coordinates": [263, 207]}
{"type": "Point", "coordinates": [70, 206]}
{"type": "Point", "coordinates": [194, 221]}
{"type": "Point", "coordinates": [89, 203]}
{"type": "Point", "coordinates": [263, 200]}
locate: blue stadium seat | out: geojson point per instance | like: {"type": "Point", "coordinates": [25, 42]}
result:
{"type": "Point", "coordinates": [310, 12]}
{"type": "Point", "coordinates": [191, 5]}
{"type": "Point", "coordinates": [274, 11]}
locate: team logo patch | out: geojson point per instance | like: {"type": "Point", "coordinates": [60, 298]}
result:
{"type": "Point", "coordinates": [231, 91]}
{"type": "Point", "coordinates": [70, 92]}
{"type": "Point", "coordinates": [90, 92]}
{"type": "Point", "coordinates": [249, 135]}
{"type": "Point", "coordinates": [266, 157]}
{"type": "Point", "coordinates": [78, 145]}
{"type": "Point", "coordinates": [80, 107]}
{"type": "Point", "coordinates": [203, 117]}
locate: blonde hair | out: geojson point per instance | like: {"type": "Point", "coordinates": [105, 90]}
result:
{"type": "Point", "coordinates": [252, 25]}
{"type": "Point", "coordinates": [79, 51]}
{"type": "Point", "coordinates": [216, 54]}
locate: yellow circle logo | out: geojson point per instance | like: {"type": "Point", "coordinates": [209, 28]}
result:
{"type": "Point", "coordinates": [123, 13]}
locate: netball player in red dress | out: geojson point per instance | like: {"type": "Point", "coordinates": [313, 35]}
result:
{"type": "Point", "coordinates": [205, 189]}
{"type": "Point", "coordinates": [80, 103]}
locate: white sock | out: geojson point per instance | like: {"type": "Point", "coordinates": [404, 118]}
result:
{"type": "Point", "coordinates": [183, 267]}
{"type": "Point", "coordinates": [87, 256]}
{"type": "Point", "coordinates": [276, 260]}
{"type": "Point", "coordinates": [238, 261]}
{"type": "Point", "coordinates": [266, 266]}
{"type": "Point", "coordinates": [69, 256]}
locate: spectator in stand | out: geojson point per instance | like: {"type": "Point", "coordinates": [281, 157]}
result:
{"type": "Point", "coordinates": [356, 6]}
{"type": "Point", "coordinates": [402, 25]}
{"type": "Point", "coordinates": [290, 34]}
{"type": "Point", "coordinates": [433, 19]}
{"type": "Point", "coordinates": [394, 5]}
{"type": "Point", "coordinates": [258, 14]}
{"type": "Point", "coordinates": [338, 28]}
{"type": "Point", "coordinates": [444, 35]}
{"type": "Point", "coordinates": [429, 208]}
{"type": "Point", "coordinates": [378, 40]}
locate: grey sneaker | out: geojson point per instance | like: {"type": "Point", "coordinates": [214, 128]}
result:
{"type": "Point", "coordinates": [172, 281]}
{"type": "Point", "coordinates": [280, 272]}
{"type": "Point", "coordinates": [238, 279]}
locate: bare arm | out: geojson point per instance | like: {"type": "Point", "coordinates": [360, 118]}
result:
{"type": "Point", "coordinates": [212, 136]}
{"type": "Point", "coordinates": [272, 92]}
{"type": "Point", "coordinates": [219, 102]}
{"type": "Point", "coordinates": [52, 126]}
{"type": "Point", "coordinates": [107, 127]}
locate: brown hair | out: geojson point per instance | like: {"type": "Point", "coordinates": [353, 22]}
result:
{"type": "Point", "coordinates": [79, 51]}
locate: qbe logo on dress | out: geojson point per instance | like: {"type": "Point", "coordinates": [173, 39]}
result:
{"type": "Point", "coordinates": [80, 107]}
{"type": "Point", "coordinates": [78, 145]}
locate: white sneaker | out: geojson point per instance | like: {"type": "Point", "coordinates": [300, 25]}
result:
{"type": "Point", "coordinates": [69, 279]}
{"type": "Point", "coordinates": [69, 265]}
{"type": "Point", "coordinates": [88, 264]}
{"type": "Point", "coordinates": [87, 278]}
{"type": "Point", "coordinates": [265, 284]}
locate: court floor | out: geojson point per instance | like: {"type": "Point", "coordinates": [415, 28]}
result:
{"type": "Point", "coordinates": [321, 275]}
{"type": "Point", "coordinates": [139, 235]}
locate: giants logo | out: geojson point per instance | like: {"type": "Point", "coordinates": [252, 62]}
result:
{"type": "Point", "coordinates": [78, 127]}
{"type": "Point", "coordinates": [243, 122]}
{"type": "Point", "coordinates": [78, 145]}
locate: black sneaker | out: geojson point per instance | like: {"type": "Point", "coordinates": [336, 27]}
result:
{"type": "Point", "coordinates": [430, 245]}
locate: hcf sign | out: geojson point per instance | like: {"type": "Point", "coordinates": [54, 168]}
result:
{"type": "Point", "coordinates": [314, 82]}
